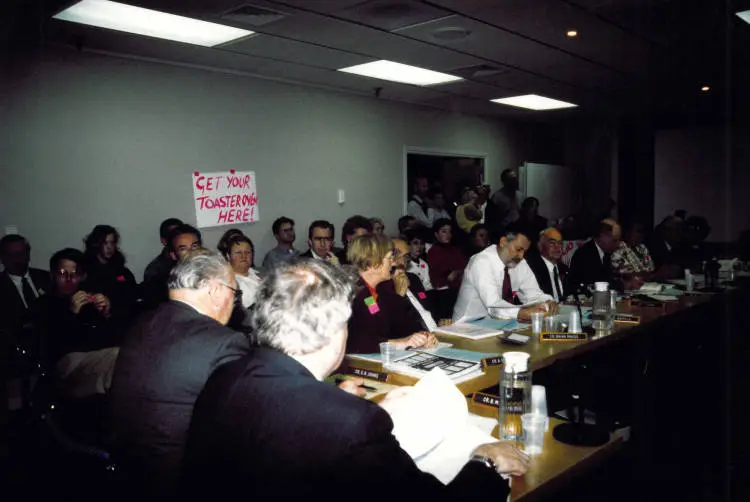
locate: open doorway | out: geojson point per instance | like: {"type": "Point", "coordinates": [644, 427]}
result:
{"type": "Point", "coordinates": [445, 172]}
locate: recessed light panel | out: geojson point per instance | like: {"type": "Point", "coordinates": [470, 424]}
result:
{"type": "Point", "coordinates": [397, 72]}
{"type": "Point", "coordinates": [533, 102]}
{"type": "Point", "coordinates": [150, 23]}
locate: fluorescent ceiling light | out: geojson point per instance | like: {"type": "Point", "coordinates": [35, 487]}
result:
{"type": "Point", "coordinates": [151, 23]}
{"type": "Point", "coordinates": [397, 72]}
{"type": "Point", "coordinates": [744, 15]}
{"type": "Point", "coordinates": [533, 102]}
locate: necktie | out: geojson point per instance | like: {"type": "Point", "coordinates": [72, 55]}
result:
{"type": "Point", "coordinates": [28, 293]}
{"type": "Point", "coordinates": [558, 293]}
{"type": "Point", "coordinates": [507, 288]}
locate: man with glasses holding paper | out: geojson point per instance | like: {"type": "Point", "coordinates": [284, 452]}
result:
{"type": "Point", "coordinates": [498, 282]}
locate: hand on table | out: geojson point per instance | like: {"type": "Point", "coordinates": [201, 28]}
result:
{"type": "Point", "coordinates": [507, 458]}
{"type": "Point", "coordinates": [420, 339]}
{"type": "Point", "coordinates": [552, 307]}
{"type": "Point", "coordinates": [524, 315]}
{"type": "Point", "coordinates": [353, 386]}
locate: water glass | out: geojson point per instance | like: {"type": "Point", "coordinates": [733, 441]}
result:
{"type": "Point", "coordinates": [387, 351]}
{"type": "Point", "coordinates": [533, 433]}
{"type": "Point", "coordinates": [537, 318]}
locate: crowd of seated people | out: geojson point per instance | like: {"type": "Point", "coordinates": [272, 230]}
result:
{"type": "Point", "coordinates": [151, 348]}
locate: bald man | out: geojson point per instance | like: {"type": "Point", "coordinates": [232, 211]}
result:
{"type": "Point", "coordinates": [544, 261]}
{"type": "Point", "coordinates": [592, 262]}
{"type": "Point", "coordinates": [409, 285]}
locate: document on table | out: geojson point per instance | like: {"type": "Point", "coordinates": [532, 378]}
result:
{"type": "Point", "coordinates": [432, 425]}
{"type": "Point", "coordinates": [399, 353]}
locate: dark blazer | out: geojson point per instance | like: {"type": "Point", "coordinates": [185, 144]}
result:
{"type": "Point", "coordinates": [266, 427]}
{"type": "Point", "coordinates": [537, 265]}
{"type": "Point", "coordinates": [307, 254]}
{"type": "Point", "coordinates": [394, 317]}
{"type": "Point", "coordinates": [164, 362]}
{"type": "Point", "coordinates": [587, 268]}
{"type": "Point", "coordinates": [14, 313]}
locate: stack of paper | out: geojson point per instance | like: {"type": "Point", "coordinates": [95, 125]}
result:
{"type": "Point", "coordinates": [458, 369]}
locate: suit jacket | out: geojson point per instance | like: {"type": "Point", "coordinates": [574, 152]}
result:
{"type": "Point", "coordinates": [266, 427]}
{"type": "Point", "coordinates": [537, 265]}
{"type": "Point", "coordinates": [164, 362]}
{"type": "Point", "coordinates": [392, 317]}
{"type": "Point", "coordinates": [587, 268]}
{"type": "Point", "coordinates": [14, 313]}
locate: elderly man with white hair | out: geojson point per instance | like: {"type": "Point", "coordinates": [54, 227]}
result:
{"type": "Point", "coordinates": [164, 362]}
{"type": "Point", "coordinates": [267, 424]}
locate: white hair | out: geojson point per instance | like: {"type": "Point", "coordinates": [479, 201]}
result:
{"type": "Point", "coordinates": [301, 305]}
{"type": "Point", "coordinates": [196, 271]}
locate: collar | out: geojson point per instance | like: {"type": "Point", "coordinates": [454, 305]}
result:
{"type": "Point", "coordinates": [601, 253]}
{"type": "Point", "coordinates": [18, 278]}
{"type": "Point", "coordinates": [417, 198]}
{"type": "Point", "coordinates": [550, 266]}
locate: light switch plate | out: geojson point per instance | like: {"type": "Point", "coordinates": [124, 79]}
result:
{"type": "Point", "coordinates": [342, 197]}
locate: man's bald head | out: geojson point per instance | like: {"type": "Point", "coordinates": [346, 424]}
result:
{"type": "Point", "coordinates": [550, 244]}
{"type": "Point", "coordinates": [608, 235]}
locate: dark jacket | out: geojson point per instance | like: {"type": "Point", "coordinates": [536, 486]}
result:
{"type": "Point", "coordinates": [587, 268]}
{"type": "Point", "coordinates": [164, 362]}
{"type": "Point", "coordinates": [537, 265]}
{"type": "Point", "coordinates": [266, 427]}
{"type": "Point", "coordinates": [14, 314]}
{"type": "Point", "coordinates": [392, 316]}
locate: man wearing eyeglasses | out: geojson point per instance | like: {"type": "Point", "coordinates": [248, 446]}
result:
{"type": "Point", "coordinates": [320, 239]}
{"type": "Point", "coordinates": [545, 262]}
{"type": "Point", "coordinates": [164, 362]}
{"type": "Point", "coordinates": [20, 285]}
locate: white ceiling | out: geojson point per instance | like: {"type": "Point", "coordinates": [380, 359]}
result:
{"type": "Point", "coordinates": [520, 44]}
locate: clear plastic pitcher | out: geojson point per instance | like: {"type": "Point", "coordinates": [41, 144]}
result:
{"type": "Point", "coordinates": [515, 395]}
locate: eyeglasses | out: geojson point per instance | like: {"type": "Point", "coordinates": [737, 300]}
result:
{"type": "Point", "coordinates": [323, 239]}
{"type": "Point", "coordinates": [237, 291]}
{"type": "Point", "coordinates": [66, 275]}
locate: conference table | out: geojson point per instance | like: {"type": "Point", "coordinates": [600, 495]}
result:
{"type": "Point", "coordinates": [558, 462]}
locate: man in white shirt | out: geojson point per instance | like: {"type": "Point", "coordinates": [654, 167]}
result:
{"type": "Point", "coordinates": [495, 277]}
{"type": "Point", "coordinates": [417, 206]}
{"type": "Point", "coordinates": [20, 286]}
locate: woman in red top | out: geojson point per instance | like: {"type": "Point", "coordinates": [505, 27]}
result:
{"type": "Point", "coordinates": [446, 260]}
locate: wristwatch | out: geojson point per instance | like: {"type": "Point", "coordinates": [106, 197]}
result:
{"type": "Point", "coordinates": [487, 461]}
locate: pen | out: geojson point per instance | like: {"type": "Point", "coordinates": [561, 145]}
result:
{"type": "Point", "coordinates": [366, 387]}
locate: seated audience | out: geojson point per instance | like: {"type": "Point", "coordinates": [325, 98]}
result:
{"type": "Point", "coordinates": [239, 251]}
{"type": "Point", "coordinates": [592, 262]}
{"type": "Point", "coordinates": [544, 261]}
{"type": "Point", "coordinates": [446, 260]}
{"type": "Point", "coordinates": [320, 239]}
{"type": "Point", "coordinates": [82, 328]}
{"type": "Point", "coordinates": [665, 247]}
{"type": "Point", "coordinates": [479, 239]}
{"type": "Point", "coordinates": [105, 267]}
{"type": "Point", "coordinates": [417, 207]}
{"type": "Point", "coordinates": [496, 278]}
{"type": "Point", "coordinates": [406, 223]}
{"type": "Point", "coordinates": [20, 285]}
{"type": "Point", "coordinates": [378, 227]}
{"type": "Point", "coordinates": [379, 314]}
{"type": "Point", "coordinates": [632, 259]}
{"type": "Point", "coordinates": [409, 285]}
{"type": "Point", "coordinates": [164, 362]}
{"type": "Point", "coordinates": [416, 264]}
{"type": "Point", "coordinates": [529, 222]}
{"type": "Point", "coordinates": [283, 231]}
{"type": "Point", "coordinates": [437, 210]}
{"type": "Point", "coordinates": [181, 240]}
{"type": "Point", "coordinates": [162, 264]}
{"type": "Point", "coordinates": [267, 424]}
{"type": "Point", "coordinates": [468, 213]}
{"type": "Point", "coordinates": [353, 227]}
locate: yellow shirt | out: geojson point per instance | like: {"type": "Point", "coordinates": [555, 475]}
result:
{"type": "Point", "coordinates": [463, 222]}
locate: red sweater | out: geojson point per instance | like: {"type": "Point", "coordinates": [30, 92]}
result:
{"type": "Point", "coordinates": [444, 259]}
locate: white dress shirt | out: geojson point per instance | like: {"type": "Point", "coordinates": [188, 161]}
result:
{"type": "Point", "coordinates": [422, 270]}
{"type": "Point", "coordinates": [249, 286]}
{"type": "Point", "coordinates": [551, 270]}
{"type": "Point", "coordinates": [19, 285]}
{"type": "Point", "coordinates": [482, 287]}
{"type": "Point", "coordinates": [414, 208]}
{"type": "Point", "coordinates": [601, 253]}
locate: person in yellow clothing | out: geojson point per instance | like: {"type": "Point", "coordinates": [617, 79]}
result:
{"type": "Point", "coordinates": [468, 213]}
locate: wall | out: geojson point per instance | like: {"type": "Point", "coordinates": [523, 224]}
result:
{"type": "Point", "coordinates": [88, 139]}
{"type": "Point", "coordinates": [704, 171]}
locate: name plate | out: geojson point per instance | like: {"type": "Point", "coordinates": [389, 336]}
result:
{"type": "Point", "coordinates": [562, 336]}
{"type": "Point", "coordinates": [627, 319]}
{"type": "Point", "coordinates": [492, 361]}
{"type": "Point", "coordinates": [486, 399]}
{"type": "Point", "coordinates": [374, 375]}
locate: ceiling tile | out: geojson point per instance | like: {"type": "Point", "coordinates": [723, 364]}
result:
{"type": "Point", "coordinates": [285, 49]}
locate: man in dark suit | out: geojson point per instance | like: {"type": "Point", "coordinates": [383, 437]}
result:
{"type": "Point", "coordinates": [164, 362]}
{"type": "Point", "coordinates": [544, 261]}
{"type": "Point", "coordinates": [665, 247]}
{"type": "Point", "coordinates": [267, 425]}
{"type": "Point", "coordinates": [353, 227]}
{"type": "Point", "coordinates": [20, 285]}
{"type": "Point", "coordinates": [320, 239]}
{"type": "Point", "coordinates": [592, 262]}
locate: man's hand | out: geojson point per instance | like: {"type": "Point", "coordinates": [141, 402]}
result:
{"type": "Point", "coordinates": [552, 307]}
{"type": "Point", "coordinates": [395, 398]}
{"type": "Point", "coordinates": [524, 315]}
{"type": "Point", "coordinates": [508, 459]}
{"type": "Point", "coordinates": [455, 276]}
{"type": "Point", "coordinates": [400, 282]}
{"type": "Point", "coordinates": [420, 339]}
{"type": "Point", "coordinates": [353, 386]}
{"type": "Point", "coordinates": [78, 300]}
{"type": "Point", "coordinates": [102, 304]}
